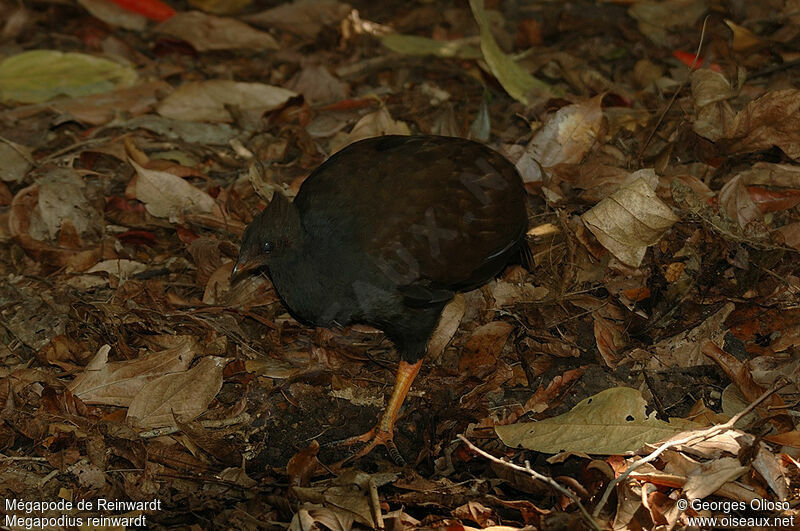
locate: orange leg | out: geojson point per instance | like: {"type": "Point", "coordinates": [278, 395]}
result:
{"type": "Point", "coordinates": [383, 432]}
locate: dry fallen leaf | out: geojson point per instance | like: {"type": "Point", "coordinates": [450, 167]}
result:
{"type": "Point", "coordinates": [771, 120]}
{"type": "Point", "coordinates": [177, 395]}
{"type": "Point", "coordinates": [116, 383]}
{"type": "Point", "coordinates": [565, 139]}
{"type": "Point", "coordinates": [737, 202]}
{"type": "Point", "coordinates": [208, 32]}
{"type": "Point", "coordinates": [629, 221]}
{"type": "Point", "coordinates": [302, 17]}
{"type": "Point", "coordinates": [168, 196]}
{"type": "Point", "coordinates": [613, 421]}
{"type": "Point", "coordinates": [207, 101]}
{"type": "Point", "coordinates": [375, 123]}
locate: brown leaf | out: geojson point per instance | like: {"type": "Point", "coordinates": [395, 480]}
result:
{"type": "Point", "coordinates": [118, 382]}
{"type": "Point", "coordinates": [771, 120]}
{"type": "Point", "coordinates": [629, 221]}
{"type": "Point", "coordinates": [565, 139]}
{"type": "Point", "coordinates": [484, 346]}
{"type": "Point", "coordinates": [178, 395]}
{"type": "Point", "coordinates": [208, 32]}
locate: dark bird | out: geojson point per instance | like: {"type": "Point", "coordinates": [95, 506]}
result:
{"type": "Point", "coordinates": [384, 233]}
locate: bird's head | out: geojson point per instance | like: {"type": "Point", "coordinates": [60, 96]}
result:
{"type": "Point", "coordinates": [270, 235]}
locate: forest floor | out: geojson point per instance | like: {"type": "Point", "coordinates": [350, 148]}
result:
{"type": "Point", "coordinates": [662, 303]}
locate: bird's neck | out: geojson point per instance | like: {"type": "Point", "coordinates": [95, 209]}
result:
{"type": "Point", "coordinates": [298, 266]}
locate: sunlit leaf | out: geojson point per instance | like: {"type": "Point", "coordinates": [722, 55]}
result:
{"type": "Point", "coordinates": [39, 75]}
{"type": "Point", "coordinates": [613, 421]}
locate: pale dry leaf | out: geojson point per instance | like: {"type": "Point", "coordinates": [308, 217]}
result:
{"type": "Point", "coordinates": [713, 112]}
{"type": "Point", "coordinates": [565, 139]}
{"type": "Point", "coordinates": [181, 396]}
{"type": "Point", "coordinates": [451, 317]}
{"type": "Point", "coordinates": [629, 221]}
{"type": "Point", "coordinates": [116, 383]}
{"type": "Point", "coordinates": [208, 32]}
{"type": "Point", "coordinates": [120, 268]}
{"type": "Point", "coordinates": [376, 123]}
{"type": "Point", "coordinates": [166, 195]}
{"type": "Point", "coordinates": [708, 477]}
{"type": "Point", "coordinates": [206, 101]}
{"type": "Point", "coordinates": [62, 196]}
{"type": "Point", "coordinates": [613, 421]}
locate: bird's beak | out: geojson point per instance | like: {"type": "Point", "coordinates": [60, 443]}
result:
{"type": "Point", "coordinates": [241, 267]}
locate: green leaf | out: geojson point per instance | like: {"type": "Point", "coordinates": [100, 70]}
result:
{"type": "Point", "coordinates": [415, 45]}
{"type": "Point", "coordinates": [514, 79]}
{"type": "Point", "coordinates": [39, 75]}
{"type": "Point", "coordinates": [611, 422]}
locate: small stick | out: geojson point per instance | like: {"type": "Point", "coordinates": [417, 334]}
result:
{"type": "Point", "coordinates": [536, 475]}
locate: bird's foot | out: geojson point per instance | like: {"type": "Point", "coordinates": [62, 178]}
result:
{"type": "Point", "coordinates": [374, 437]}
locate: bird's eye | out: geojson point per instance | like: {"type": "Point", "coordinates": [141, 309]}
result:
{"type": "Point", "coordinates": [268, 247]}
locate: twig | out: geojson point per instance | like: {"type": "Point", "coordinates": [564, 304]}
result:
{"type": "Point", "coordinates": [677, 92]}
{"type": "Point", "coordinates": [693, 437]}
{"type": "Point", "coordinates": [536, 475]}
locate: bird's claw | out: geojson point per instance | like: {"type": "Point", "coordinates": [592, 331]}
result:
{"type": "Point", "coordinates": [369, 440]}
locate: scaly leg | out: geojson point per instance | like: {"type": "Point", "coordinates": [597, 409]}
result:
{"type": "Point", "coordinates": [383, 432]}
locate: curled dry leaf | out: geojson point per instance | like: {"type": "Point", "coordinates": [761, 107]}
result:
{"type": "Point", "coordinates": [711, 92]}
{"type": "Point", "coordinates": [206, 101]}
{"type": "Point", "coordinates": [629, 221]}
{"type": "Point", "coordinates": [565, 139]}
{"type": "Point", "coordinates": [738, 203]}
{"type": "Point", "coordinates": [116, 383]}
{"type": "Point", "coordinates": [177, 395]}
{"type": "Point", "coordinates": [168, 196]}
{"type": "Point", "coordinates": [771, 120]}
{"type": "Point", "coordinates": [208, 32]}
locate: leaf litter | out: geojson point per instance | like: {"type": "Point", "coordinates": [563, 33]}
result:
{"type": "Point", "coordinates": [661, 300]}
